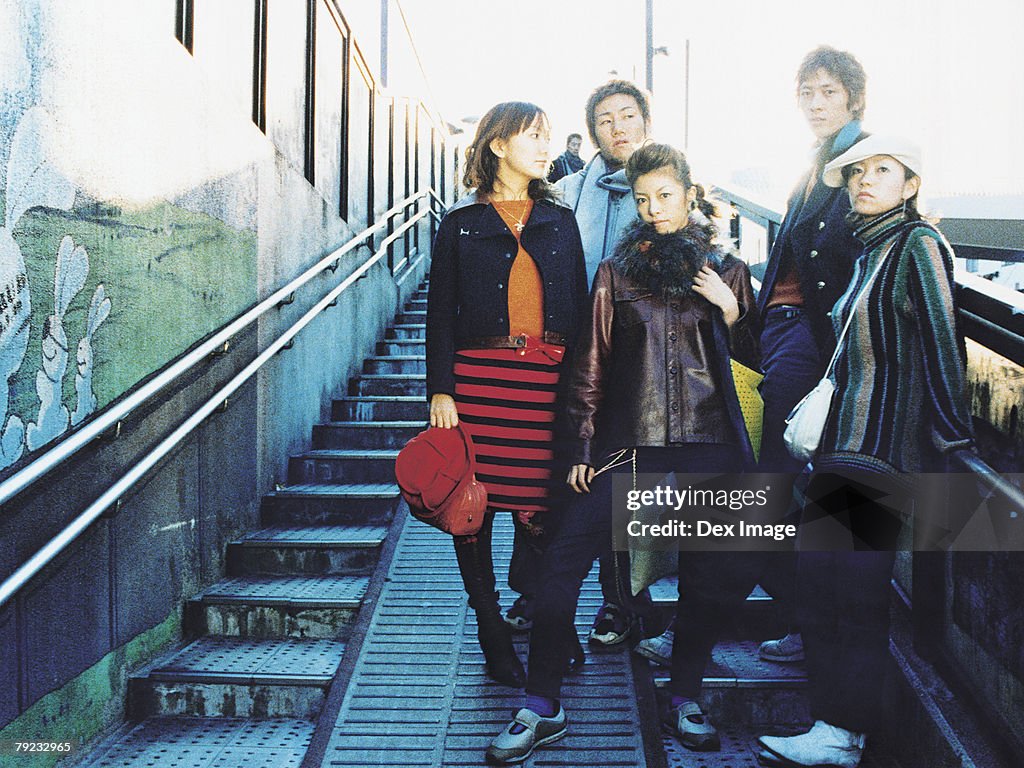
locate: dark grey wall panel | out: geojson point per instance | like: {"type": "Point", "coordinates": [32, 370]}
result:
{"type": "Point", "coordinates": [67, 615]}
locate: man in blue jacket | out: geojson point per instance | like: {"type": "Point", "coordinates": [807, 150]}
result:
{"type": "Point", "coordinates": [809, 267]}
{"type": "Point", "coordinates": [618, 116]}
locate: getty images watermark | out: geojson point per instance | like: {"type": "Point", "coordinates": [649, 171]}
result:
{"type": "Point", "coordinates": [775, 512]}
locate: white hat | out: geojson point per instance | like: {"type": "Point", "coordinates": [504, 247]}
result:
{"type": "Point", "coordinates": [904, 150]}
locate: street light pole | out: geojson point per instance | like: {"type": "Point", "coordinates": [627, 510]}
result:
{"type": "Point", "coordinates": [650, 45]}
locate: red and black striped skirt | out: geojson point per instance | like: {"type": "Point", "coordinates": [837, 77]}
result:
{"type": "Point", "coordinates": [506, 400]}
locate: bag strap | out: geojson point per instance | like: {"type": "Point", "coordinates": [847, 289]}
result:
{"type": "Point", "coordinates": [900, 241]}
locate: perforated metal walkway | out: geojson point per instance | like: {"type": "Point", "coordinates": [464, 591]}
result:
{"type": "Point", "coordinates": [419, 695]}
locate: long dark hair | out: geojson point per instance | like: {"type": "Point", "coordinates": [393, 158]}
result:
{"type": "Point", "coordinates": [502, 121]}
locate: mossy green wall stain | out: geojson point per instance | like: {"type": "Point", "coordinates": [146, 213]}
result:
{"type": "Point", "coordinates": [172, 277]}
{"type": "Point", "coordinates": [94, 701]}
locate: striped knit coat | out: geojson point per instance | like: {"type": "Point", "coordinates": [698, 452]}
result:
{"type": "Point", "coordinates": [900, 401]}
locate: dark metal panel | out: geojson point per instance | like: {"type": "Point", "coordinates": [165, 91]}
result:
{"type": "Point", "coordinates": [228, 497]}
{"type": "Point", "coordinates": [156, 537]}
{"type": "Point", "coordinates": [8, 665]}
{"type": "Point", "coordinates": [67, 615]}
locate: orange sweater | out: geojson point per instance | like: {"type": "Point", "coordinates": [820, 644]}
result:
{"type": "Point", "coordinates": [525, 288]}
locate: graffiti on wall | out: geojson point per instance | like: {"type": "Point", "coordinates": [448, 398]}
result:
{"type": "Point", "coordinates": [94, 295]}
{"type": "Point", "coordinates": [32, 182]}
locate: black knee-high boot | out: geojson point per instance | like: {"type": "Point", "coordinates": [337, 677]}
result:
{"type": "Point", "coordinates": [477, 569]}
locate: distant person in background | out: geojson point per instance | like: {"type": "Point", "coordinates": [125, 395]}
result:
{"type": "Point", "coordinates": [808, 269]}
{"type": "Point", "coordinates": [618, 115]}
{"type": "Point", "coordinates": [507, 291]}
{"type": "Point", "coordinates": [569, 161]}
{"type": "Point", "coordinates": [899, 409]}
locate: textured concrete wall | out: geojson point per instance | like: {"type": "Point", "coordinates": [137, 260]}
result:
{"type": "Point", "coordinates": [142, 209]}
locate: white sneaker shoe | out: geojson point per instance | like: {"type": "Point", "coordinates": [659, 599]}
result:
{"type": "Point", "coordinates": [824, 746]}
{"type": "Point", "coordinates": [657, 649]}
{"type": "Point", "coordinates": [786, 649]}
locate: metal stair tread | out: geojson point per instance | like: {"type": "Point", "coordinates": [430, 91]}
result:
{"type": "Point", "coordinates": [316, 536]}
{"type": "Point", "coordinates": [414, 358]}
{"type": "Point", "coordinates": [161, 740]}
{"type": "Point", "coordinates": [355, 453]}
{"type": "Point", "coordinates": [339, 490]}
{"type": "Point", "coordinates": [735, 664]}
{"type": "Point", "coordinates": [393, 376]}
{"type": "Point", "coordinates": [665, 591]}
{"type": "Point", "coordinates": [374, 424]}
{"type": "Point", "coordinates": [326, 591]}
{"type": "Point", "coordinates": [381, 399]}
{"type": "Point", "coordinates": [234, 660]}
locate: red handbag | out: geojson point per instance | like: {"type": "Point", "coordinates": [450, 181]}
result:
{"type": "Point", "coordinates": [436, 472]}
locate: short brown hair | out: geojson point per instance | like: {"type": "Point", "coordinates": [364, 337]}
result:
{"type": "Point", "coordinates": [844, 67]}
{"type": "Point", "coordinates": [611, 88]}
{"type": "Point", "coordinates": [502, 121]}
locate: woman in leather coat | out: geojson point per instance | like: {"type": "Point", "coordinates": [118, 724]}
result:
{"type": "Point", "coordinates": [651, 375]}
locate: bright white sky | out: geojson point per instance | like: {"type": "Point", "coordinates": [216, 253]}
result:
{"type": "Point", "coordinates": [944, 72]}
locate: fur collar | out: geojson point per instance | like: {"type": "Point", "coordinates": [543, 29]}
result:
{"type": "Point", "coordinates": [666, 262]}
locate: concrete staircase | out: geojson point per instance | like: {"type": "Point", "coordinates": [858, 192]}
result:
{"type": "Point", "coordinates": [266, 641]}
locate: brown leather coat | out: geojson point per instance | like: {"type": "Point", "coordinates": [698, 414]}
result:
{"type": "Point", "coordinates": [650, 367]}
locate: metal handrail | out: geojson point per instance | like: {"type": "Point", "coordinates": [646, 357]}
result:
{"type": "Point", "coordinates": [58, 543]}
{"type": "Point", "coordinates": [74, 442]}
{"type": "Point", "coordinates": [1006, 341]}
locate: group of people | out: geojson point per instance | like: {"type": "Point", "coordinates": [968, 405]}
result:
{"type": "Point", "coordinates": [589, 327]}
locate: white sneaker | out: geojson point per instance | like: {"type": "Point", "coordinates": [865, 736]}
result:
{"type": "Point", "coordinates": [824, 746]}
{"type": "Point", "coordinates": [657, 649]}
{"type": "Point", "coordinates": [786, 649]}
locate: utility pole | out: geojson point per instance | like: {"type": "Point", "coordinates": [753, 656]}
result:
{"type": "Point", "coordinates": [650, 45]}
{"type": "Point", "coordinates": [384, 42]}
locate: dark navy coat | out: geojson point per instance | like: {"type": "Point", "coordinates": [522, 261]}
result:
{"type": "Point", "coordinates": [816, 238]}
{"type": "Point", "coordinates": [470, 265]}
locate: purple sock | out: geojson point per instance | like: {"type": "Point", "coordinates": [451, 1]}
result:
{"type": "Point", "coordinates": [542, 705]}
{"type": "Point", "coordinates": [678, 701]}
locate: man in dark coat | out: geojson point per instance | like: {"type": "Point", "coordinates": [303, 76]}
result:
{"type": "Point", "coordinates": [809, 267]}
{"type": "Point", "coordinates": [569, 161]}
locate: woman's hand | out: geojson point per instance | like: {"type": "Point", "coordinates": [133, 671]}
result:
{"type": "Point", "coordinates": [708, 284]}
{"type": "Point", "coordinates": [579, 477]}
{"type": "Point", "coordinates": [442, 412]}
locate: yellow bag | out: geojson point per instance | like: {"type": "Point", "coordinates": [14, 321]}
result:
{"type": "Point", "coordinates": [746, 381]}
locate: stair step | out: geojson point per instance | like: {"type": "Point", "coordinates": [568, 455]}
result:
{"type": "Point", "coordinates": [759, 619]}
{"type": "Point", "coordinates": [277, 606]}
{"type": "Point", "coordinates": [365, 434]}
{"type": "Point", "coordinates": [382, 408]}
{"type": "Point", "coordinates": [392, 347]}
{"type": "Point", "coordinates": [741, 689]}
{"type": "Point", "coordinates": [412, 317]}
{"type": "Point", "coordinates": [234, 677]}
{"type": "Point", "coordinates": [407, 331]}
{"type": "Point", "coordinates": [356, 465]}
{"type": "Point", "coordinates": [416, 364]}
{"type": "Point", "coordinates": [330, 504]}
{"type": "Point", "coordinates": [416, 304]}
{"type": "Point", "coordinates": [235, 741]}
{"type": "Point", "coordinates": [307, 550]}
{"type": "Point", "coordinates": [389, 384]}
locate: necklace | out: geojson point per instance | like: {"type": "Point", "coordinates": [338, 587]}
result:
{"type": "Point", "coordinates": [519, 225]}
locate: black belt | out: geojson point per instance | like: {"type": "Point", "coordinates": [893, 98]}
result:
{"type": "Point", "coordinates": [510, 342]}
{"type": "Point", "coordinates": [785, 312]}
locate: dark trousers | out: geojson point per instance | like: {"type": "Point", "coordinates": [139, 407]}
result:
{"type": "Point", "coordinates": [792, 365]}
{"type": "Point", "coordinates": [581, 533]}
{"type": "Point", "coordinates": [844, 601]}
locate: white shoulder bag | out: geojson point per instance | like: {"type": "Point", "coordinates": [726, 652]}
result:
{"type": "Point", "coordinates": [806, 422]}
